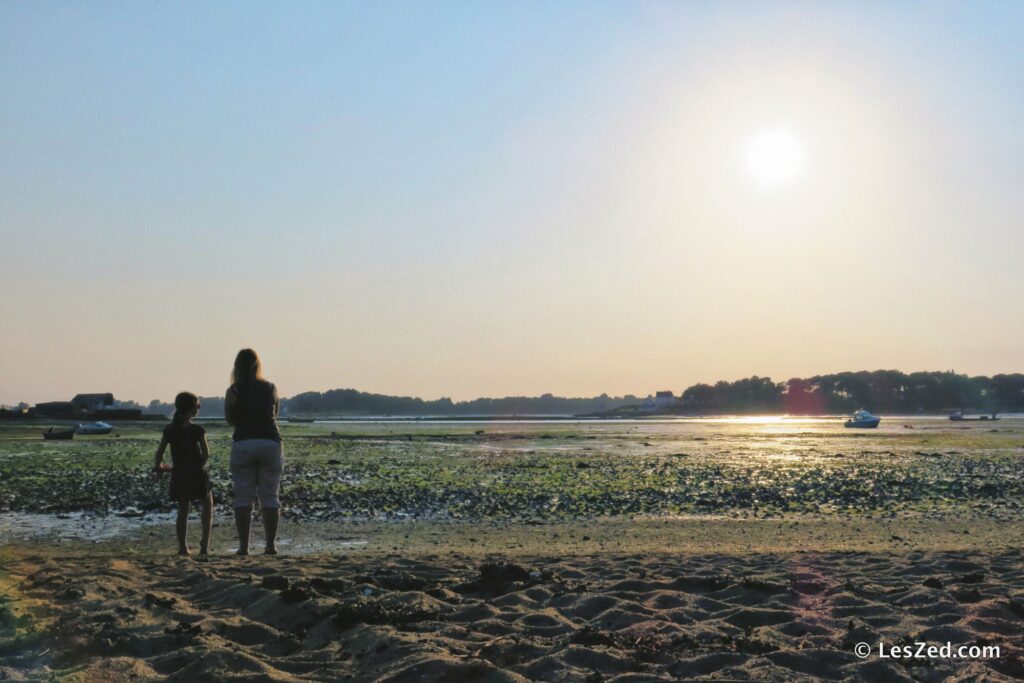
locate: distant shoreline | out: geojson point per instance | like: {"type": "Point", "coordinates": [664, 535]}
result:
{"type": "Point", "coordinates": [601, 418]}
{"type": "Point", "coordinates": [637, 417]}
{"type": "Point", "coordinates": [641, 417]}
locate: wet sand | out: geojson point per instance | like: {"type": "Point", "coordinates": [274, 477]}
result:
{"type": "Point", "coordinates": [154, 535]}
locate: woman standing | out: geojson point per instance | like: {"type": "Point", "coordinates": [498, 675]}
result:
{"type": "Point", "coordinates": [256, 454]}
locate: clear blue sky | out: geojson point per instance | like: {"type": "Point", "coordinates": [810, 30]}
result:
{"type": "Point", "coordinates": [474, 198]}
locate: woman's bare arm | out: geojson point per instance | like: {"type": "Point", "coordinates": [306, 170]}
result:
{"type": "Point", "coordinates": [230, 404]}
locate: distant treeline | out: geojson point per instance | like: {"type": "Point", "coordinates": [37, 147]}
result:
{"type": "Point", "coordinates": [210, 406]}
{"type": "Point", "coordinates": [887, 391]}
{"type": "Point", "coordinates": [352, 402]}
{"type": "Point", "coordinates": [341, 402]}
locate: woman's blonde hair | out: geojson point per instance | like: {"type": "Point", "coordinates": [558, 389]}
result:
{"type": "Point", "coordinates": [247, 368]}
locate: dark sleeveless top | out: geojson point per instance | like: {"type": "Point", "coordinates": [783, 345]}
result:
{"type": "Point", "coordinates": [255, 413]}
{"type": "Point", "coordinates": [189, 480]}
{"type": "Point", "coordinates": [184, 442]}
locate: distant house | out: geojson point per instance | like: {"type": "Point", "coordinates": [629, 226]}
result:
{"type": "Point", "coordinates": [55, 409]}
{"type": "Point", "coordinates": [90, 403]}
{"type": "Point", "coordinates": [664, 399]}
{"type": "Point", "coordinates": [21, 410]}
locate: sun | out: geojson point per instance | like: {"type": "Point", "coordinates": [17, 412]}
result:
{"type": "Point", "coordinates": [775, 157]}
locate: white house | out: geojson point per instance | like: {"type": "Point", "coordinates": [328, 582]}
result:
{"type": "Point", "coordinates": [663, 400]}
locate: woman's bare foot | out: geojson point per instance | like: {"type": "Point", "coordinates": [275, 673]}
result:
{"type": "Point", "coordinates": [270, 551]}
{"type": "Point", "coordinates": [204, 550]}
{"type": "Point", "coordinates": [184, 552]}
{"type": "Point", "coordinates": [242, 551]}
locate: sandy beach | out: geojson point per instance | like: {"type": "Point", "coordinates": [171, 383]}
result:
{"type": "Point", "coordinates": [731, 601]}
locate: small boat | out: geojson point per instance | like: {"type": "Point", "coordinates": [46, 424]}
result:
{"type": "Point", "coordinates": [958, 416]}
{"type": "Point", "coordinates": [94, 428]}
{"type": "Point", "coordinates": [862, 419]}
{"type": "Point", "coordinates": [62, 434]}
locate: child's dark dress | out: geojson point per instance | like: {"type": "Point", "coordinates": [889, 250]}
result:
{"type": "Point", "coordinates": [189, 480]}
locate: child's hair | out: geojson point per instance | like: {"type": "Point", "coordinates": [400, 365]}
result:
{"type": "Point", "coordinates": [185, 404]}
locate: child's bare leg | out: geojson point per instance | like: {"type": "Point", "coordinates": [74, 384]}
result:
{"type": "Point", "coordinates": [181, 526]}
{"type": "Point", "coordinates": [243, 522]}
{"type": "Point", "coordinates": [207, 508]}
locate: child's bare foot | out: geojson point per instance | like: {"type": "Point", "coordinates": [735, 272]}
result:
{"type": "Point", "coordinates": [184, 552]}
{"type": "Point", "coordinates": [242, 551]}
{"type": "Point", "coordinates": [270, 550]}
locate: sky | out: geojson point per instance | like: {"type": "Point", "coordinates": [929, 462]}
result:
{"type": "Point", "coordinates": [490, 198]}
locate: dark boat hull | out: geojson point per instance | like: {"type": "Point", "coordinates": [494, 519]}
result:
{"type": "Point", "coordinates": [862, 424]}
{"type": "Point", "coordinates": [59, 436]}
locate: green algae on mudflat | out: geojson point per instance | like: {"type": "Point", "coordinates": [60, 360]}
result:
{"type": "Point", "coordinates": [546, 471]}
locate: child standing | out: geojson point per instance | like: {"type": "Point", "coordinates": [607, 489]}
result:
{"type": "Point", "coordinates": [189, 480]}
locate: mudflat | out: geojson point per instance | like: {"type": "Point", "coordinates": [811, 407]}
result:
{"type": "Point", "coordinates": [531, 552]}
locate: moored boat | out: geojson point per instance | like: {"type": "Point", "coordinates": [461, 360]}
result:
{"type": "Point", "coordinates": [94, 428]}
{"type": "Point", "coordinates": [60, 434]}
{"type": "Point", "coordinates": [958, 416]}
{"type": "Point", "coordinates": [862, 419]}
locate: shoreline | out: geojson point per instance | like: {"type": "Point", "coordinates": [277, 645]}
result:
{"type": "Point", "coordinates": [683, 534]}
{"type": "Point", "coordinates": [640, 416]}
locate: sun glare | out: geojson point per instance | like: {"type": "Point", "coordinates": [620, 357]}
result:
{"type": "Point", "coordinates": [774, 157]}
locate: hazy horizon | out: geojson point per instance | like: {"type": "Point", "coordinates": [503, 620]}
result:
{"type": "Point", "coordinates": [483, 199]}
{"type": "Point", "coordinates": [676, 390]}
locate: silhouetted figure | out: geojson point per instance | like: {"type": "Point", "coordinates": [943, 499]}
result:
{"type": "Point", "coordinates": [189, 480]}
{"type": "Point", "coordinates": [251, 405]}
